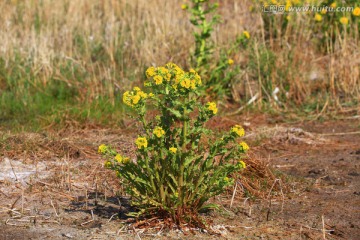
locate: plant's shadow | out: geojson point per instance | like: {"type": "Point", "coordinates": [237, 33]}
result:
{"type": "Point", "coordinates": [109, 207]}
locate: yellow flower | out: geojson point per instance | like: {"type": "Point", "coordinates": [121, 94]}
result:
{"type": "Point", "coordinates": [171, 65]}
{"type": "Point", "coordinates": [244, 146]}
{"type": "Point", "coordinates": [318, 17]}
{"type": "Point", "coordinates": [163, 70]}
{"type": "Point", "coordinates": [242, 164]}
{"type": "Point", "coordinates": [141, 142]}
{"type": "Point", "coordinates": [230, 62]}
{"type": "Point", "coordinates": [102, 148]}
{"type": "Point", "coordinates": [238, 130]}
{"type": "Point", "coordinates": [333, 5]}
{"type": "Point", "coordinates": [288, 5]}
{"type": "Point", "coordinates": [151, 95]}
{"type": "Point", "coordinates": [108, 164]}
{"type": "Point", "coordinates": [356, 12]}
{"type": "Point", "coordinates": [192, 84]}
{"type": "Point", "coordinates": [178, 71]}
{"type": "Point", "coordinates": [323, 11]}
{"type": "Point", "coordinates": [197, 79]}
{"type": "Point", "coordinates": [150, 72]}
{"type": "Point", "coordinates": [246, 34]}
{"type": "Point", "coordinates": [173, 150]}
{"type": "Point", "coordinates": [184, 6]}
{"type": "Point", "coordinates": [168, 76]}
{"type": "Point", "coordinates": [344, 20]}
{"type": "Point", "coordinates": [211, 106]}
{"type": "Point", "coordinates": [127, 98]}
{"type": "Point", "coordinates": [126, 160]}
{"type": "Point", "coordinates": [288, 17]}
{"type": "Point", "coordinates": [226, 179]}
{"type": "Point", "coordinates": [142, 94]}
{"type": "Point", "coordinates": [135, 99]}
{"type": "Point", "coordinates": [186, 83]}
{"type": "Point", "coordinates": [158, 79]}
{"type": "Point", "coordinates": [119, 158]}
{"type": "Point", "coordinates": [159, 132]}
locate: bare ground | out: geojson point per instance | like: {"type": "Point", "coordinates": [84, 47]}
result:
{"type": "Point", "coordinates": [54, 186]}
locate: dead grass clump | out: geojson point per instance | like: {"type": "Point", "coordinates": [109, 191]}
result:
{"type": "Point", "coordinates": [258, 180]}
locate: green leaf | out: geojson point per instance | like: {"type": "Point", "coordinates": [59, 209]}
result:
{"type": "Point", "coordinates": [210, 206]}
{"type": "Point", "coordinates": [188, 160]}
{"type": "Point", "coordinates": [173, 178]}
{"type": "Point", "coordinates": [175, 112]}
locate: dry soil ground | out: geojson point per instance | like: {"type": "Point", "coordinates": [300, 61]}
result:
{"type": "Point", "coordinates": [54, 186]}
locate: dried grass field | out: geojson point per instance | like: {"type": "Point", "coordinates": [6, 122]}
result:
{"type": "Point", "coordinates": [292, 81]}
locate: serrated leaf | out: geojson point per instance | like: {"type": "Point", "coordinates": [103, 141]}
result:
{"type": "Point", "coordinates": [175, 112]}
{"type": "Point", "coordinates": [173, 178]}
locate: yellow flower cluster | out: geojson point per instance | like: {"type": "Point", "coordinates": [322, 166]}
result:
{"type": "Point", "coordinates": [150, 72]}
{"type": "Point", "coordinates": [239, 130]}
{"type": "Point", "coordinates": [102, 148]}
{"type": "Point", "coordinates": [174, 68]}
{"type": "Point", "coordinates": [121, 159]}
{"type": "Point", "coordinates": [344, 20]}
{"type": "Point", "coordinates": [165, 72]}
{"type": "Point", "coordinates": [141, 142]}
{"type": "Point", "coordinates": [356, 12]}
{"type": "Point", "coordinates": [184, 6]}
{"type": "Point", "coordinates": [159, 132]}
{"type": "Point", "coordinates": [244, 146]}
{"type": "Point", "coordinates": [108, 164]}
{"type": "Point", "coordinates": [211, 106]}
{"type": "Point", "coordinates": [161, 75]}
{"type": "Point", "coordinates": [242, 164]}
{"type": "Point", "coordinates": [288, 5]}
{"type": "Point", "coordinates": [318, 17]}
{"type": "Point", "coordinates": [132, 98]}
{"type": "Point", "coordinates": [173, 150]}
{"type": "Point", "coordinates": [230, 62]}
{"type": "Point", "coordinates": [188, 80]}
{"type": "Point", "coordinates": [246, 34]}
{"type": "Point", "coordinates": [186, 83]}
{"type": "Point", "coordinates": [158, 79]}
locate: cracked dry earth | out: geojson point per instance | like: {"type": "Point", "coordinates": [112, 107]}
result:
{"type": "Point", "coordinates": [54, 187]}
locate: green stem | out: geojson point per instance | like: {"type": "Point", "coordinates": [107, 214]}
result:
{"type": "Point", "coordinates": [143, 121]}
{"type": "Point", "coordinates": [150, 174]}
{"type": "Point", "coordinates": [162, 192]}
{"type": "Point", "coordinates": [182, 160]}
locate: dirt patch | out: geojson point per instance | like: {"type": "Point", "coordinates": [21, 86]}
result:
{"type": "Point", "coordinates": [315, 189]}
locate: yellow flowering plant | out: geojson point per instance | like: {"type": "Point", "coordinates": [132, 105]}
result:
{"type": "Point", "coordinates": [220, 71]}
{"type": "Point", "coordinates": [337, 23]}
{"type": "Point", "coordinates": [330, 17]}
{"type": "Point", "coordinates": [179, 165]}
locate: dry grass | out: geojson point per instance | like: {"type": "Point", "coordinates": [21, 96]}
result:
{"type": "Point", "coordinates": [100, 48]}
